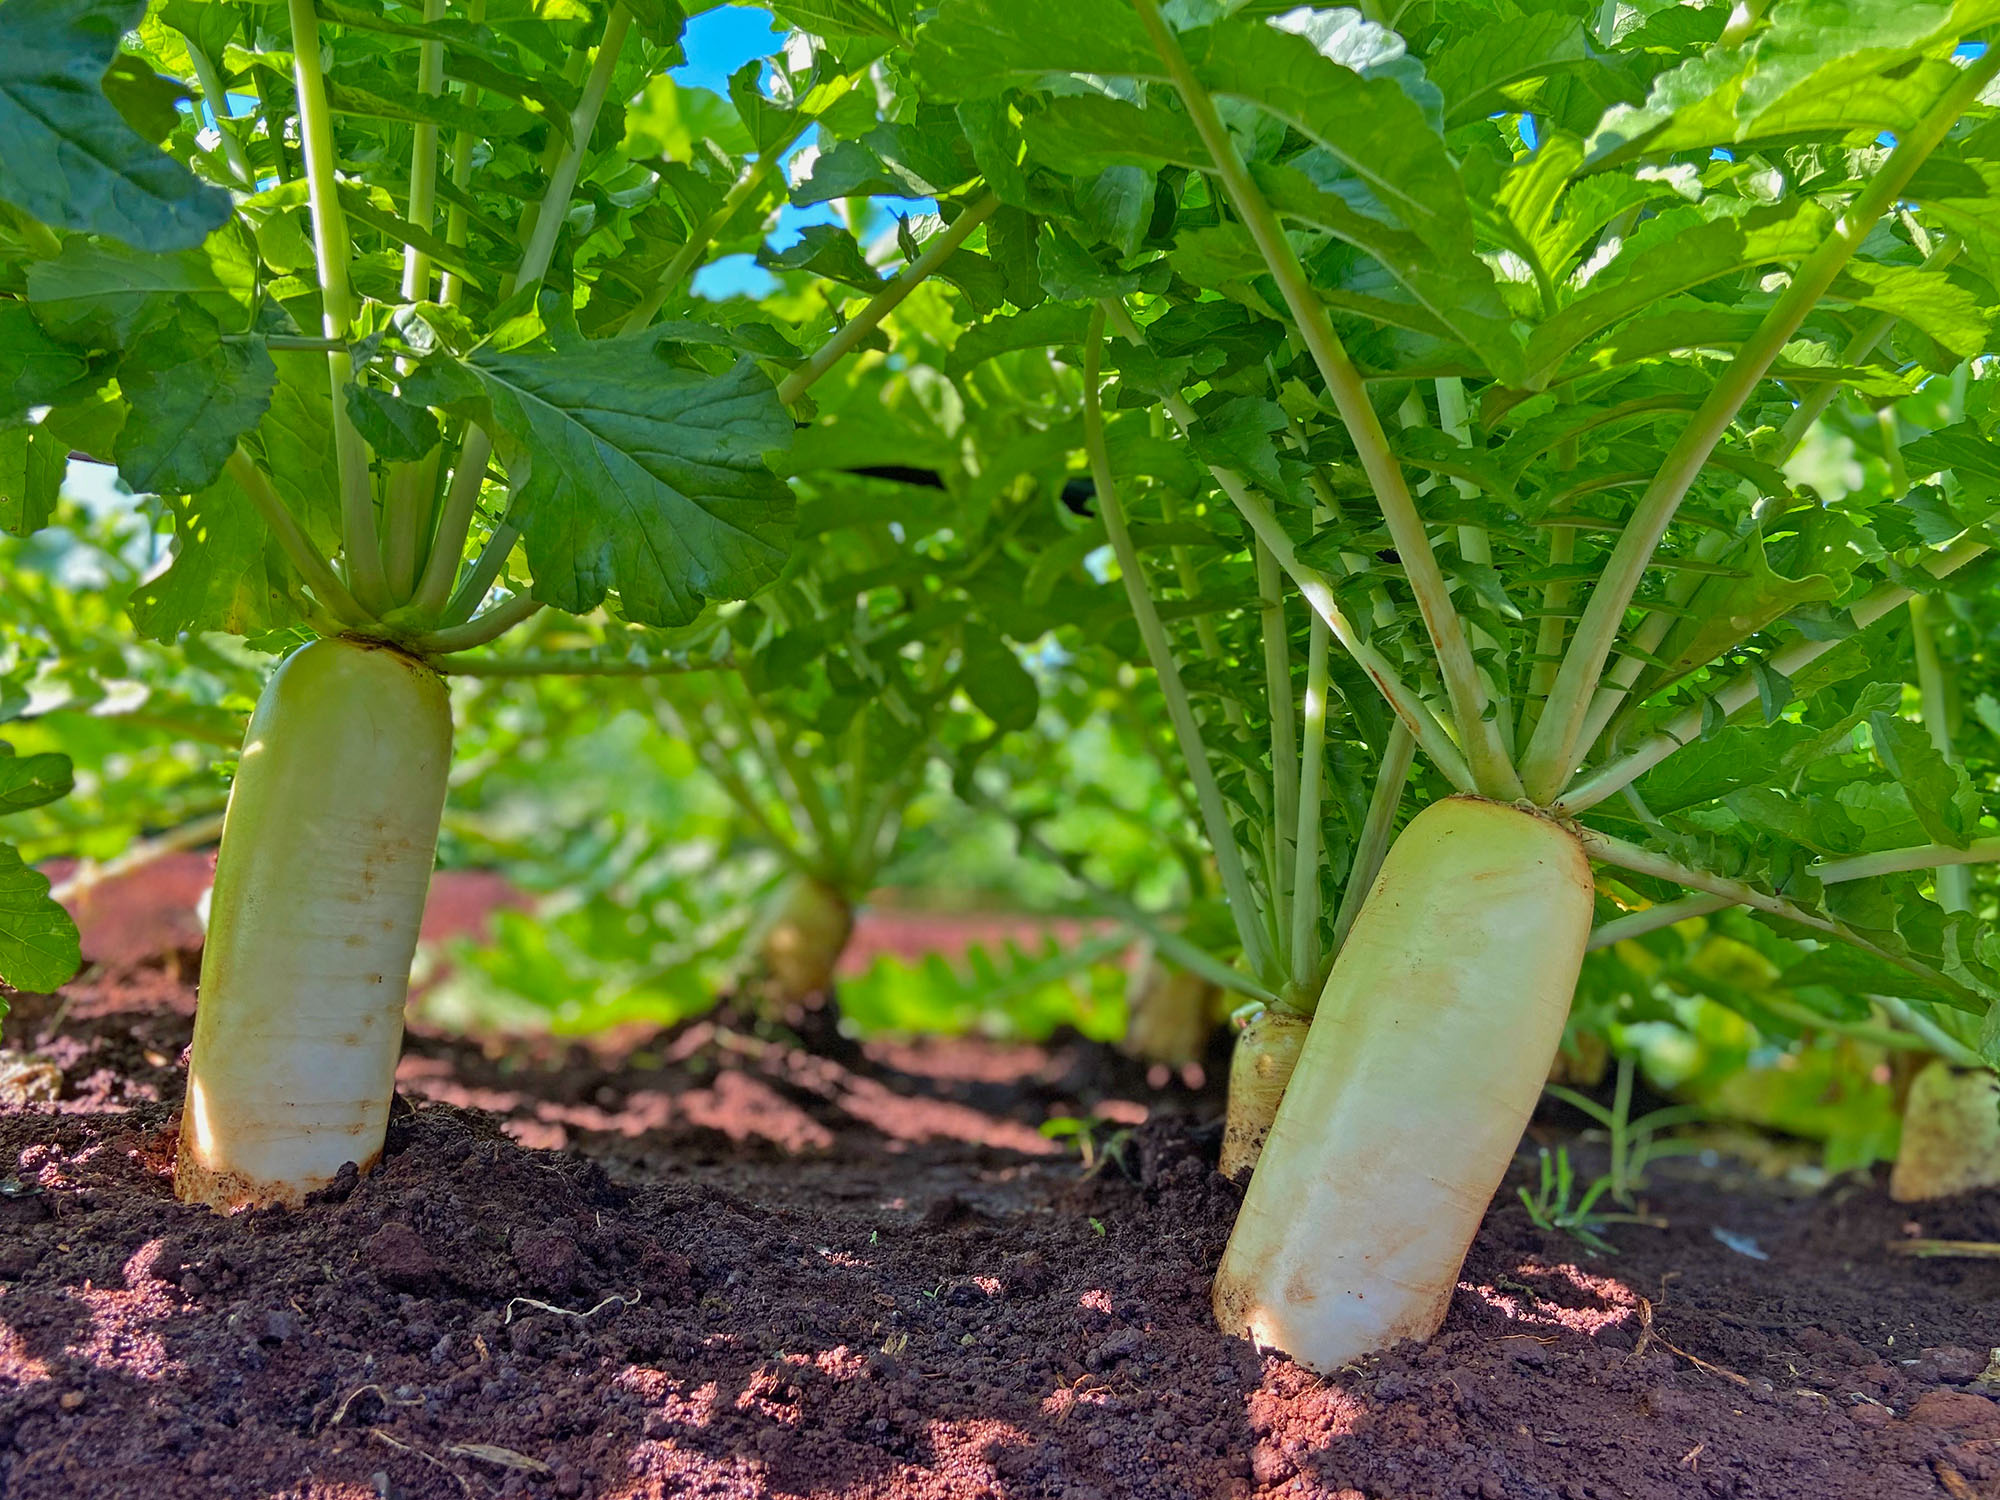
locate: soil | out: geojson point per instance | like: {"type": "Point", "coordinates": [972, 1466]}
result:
{"type": "Point", "coordinates": [717, 1265]}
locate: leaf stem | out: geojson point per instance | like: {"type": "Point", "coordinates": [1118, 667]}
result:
{"type": "Point", "coordinates": [313, 568]}
{"type": "Point", "coordinates": [1551, 755]}
{"type": "Point", "coordinates": [492, 559]}
{"type": "Point", "coordinates": [333, 248]}
{"type": "Point", "coordinates": [886, 301]}
{"type": "Point", "coordinates": [1159, 651]}
{"type": "Point", "coordinates": [1899, 861]}
{"type": "Point", "coordinates": [1653, 918]}
{"type": "Point", "coordinates": [1626, 856]}
{"type": "Point", "coordinates": [480, 629]}
{"type": "Point", "coordinates": [1284, 810]}
{"type": "Point", "coordinates": [576, 664]}
{"type": "Point", "coordinates": [1317, 591]}
{"type": "Point", "coordinates": [1307, 842]}
{"type": "Point", "coordinates": [461, 504]}
{"type": "Point", "coordinates": [213, 90]}
{"type": "Point", "coordinates": [1954, 882]}
{"type": "Point", "coordinates": [554, 208]}
{"type": "Point", "coordinates": [1685, 727]}
{"type": "Point", "coordinates": [1377, 829]}
{"type": "Point", "coordinates": [1478, 733]}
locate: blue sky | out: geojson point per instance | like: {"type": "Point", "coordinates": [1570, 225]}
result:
{"type": "Point", "coordinates": [718, 42]}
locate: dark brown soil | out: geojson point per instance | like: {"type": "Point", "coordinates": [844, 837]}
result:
{"type": "Point", "coordinates": [756, 1272]}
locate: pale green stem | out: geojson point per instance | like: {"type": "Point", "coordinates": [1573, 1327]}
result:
{"type": "Point", "coordinates": [479, 630]}
{"type": "Point", "coordinates": [451, 285]}
{"type": "Point", "coordinates": [1626, 856]}
{"type": "Point", "coordinates": [1549, 631]}
{"type": "Point", "coordinates": [1551, 756]}
{"type": "Point", "coordinates": [332, 249]}
{"type": "Point", "coordinates": [575, 664]}
{"type": "Point", "coordinates": [1284, 732]}
{"type": "Point", "coordinates": [212, 89]}
{"type": "Point", "coordinates": [461, 504]}
{"type": "Point", "coordinates": [492, 558]}
{"type": "Point", "coordinates": [423, 162]}
{"type": "Point", "coordinates": [1653, 918]}
{"type": "Point", "coordinates": [940, 249]}
{"type": "Point", "coordinates": [469, 474]}
{"type": "Point", "coordinates": [1159, 651]}
{"type": "Point", "coordinates": [1954, 881]}
{"type": "Point", "coordinates": [412, 486]}
{"type": "Point", "coordinates": [1111, 904]}
{"type": "Point", "coordinates": [554, 208]}
{"type": "Point", "coordinates": [1608, 780]}
{"type": "Point", "coordinates": [1205, 633]}
{"type": "Point", "coordinates": [313, 568]}
{"type": "Point", "coordinates": [1305, 954]}
{"type": "Point", "coordinates": [1942, 857]}
{"type": "Point", "coordinates": [1934, 1036]}
{"type": "Point", "coordinates": [1317, 591]}
{"type": "Point", "coordinates": [1377, 830]}
{"type": "Point", "coordinates": [699, 239]}
{"type": "Point", "coordinates": [1478, 732]}
{"type": "Point", "coordinates": [1616, 684]}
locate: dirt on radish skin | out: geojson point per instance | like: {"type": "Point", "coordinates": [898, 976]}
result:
{"type": "Point", "coordinates": [151, 1350]}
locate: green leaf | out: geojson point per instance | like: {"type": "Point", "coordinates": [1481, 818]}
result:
{"type": "Point", "coordinates": [193, 396]}
{"type": "Point", "coordinates": [995, 680]}
{"type": "Point", "coordinates": [1726, 611]}
{"type": "Point", "coordinates": [38, 942]}
{"type": "Point", "coordinates": [1929, 300]}
{"type": "Point", "coordinates": [825, 250]}
{"type": "Point", "coordinates": [1940, 794]}
{"type": "Point", "coordinates": [66, 154]}
{"type": "Point", "coordinates": [32, 780]}
{"type": "Point", "coordinates": [104, 295]}
{"type": "Point", "coordinates": [1486, 70]}
{"type": "Point", "coordinates": [34, 369]}
{"type": "Point", "coordinates": [399, 431]}
{"type": "Point", "coordinates": [33, 461]}
{"type": "Point", "coordinates": [227, 573]}
{"type": "Point", "coordinates": [1053, 324]}
{"type": "Point", "coordinates": [890, 19]}
{"type": "Point", "coordinates": [670, 119]}
{"type": "Point", "coordinates": [631, 473]}
{"type": "Point", "coordinates": [975, 49]}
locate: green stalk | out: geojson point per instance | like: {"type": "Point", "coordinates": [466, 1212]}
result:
{"type": "Point", "coordinates": [1378, 830]}
{"type": "Point", "coordinates": [572, 664]}
{"type": "Point", "coordinates": [1284, 811]}
{"type": "Point", "coordinates": [1627, 856]}
{"type": "Point", "coordinates": [554, 207]}
{"type": "Point", "coordinates": [411, 486]}
{"type": "Point", "coordinates": [479, 630]}
{"type": "Point", "coordinates": [1159, 651]}
{"type": "Point", "coordinates": [333, 248]}
{"type": "Point", "coordinates": [1943, 857]}
{"type": "Point", "coordinates": [1205, 633]}
{"type": "Point", "coordinates": [210, 78]}
{"type": "Point", "coordinates": [1317, 591]}
{"type": "Point", "coordinates": [451, 286]}
{"type": "Point", "coordinates": [1653, 918]}
{"type": "Point", "coordinates": [313, 568]}
{"type": "Point", "coordinates": [685, 259]}
{"type": "Point", "coordinates": [1551, 755]}
{"type": "Point", "coordinates": [1954, 881]}
{"type": "Point", "coordinates": [1608, 780]}
{"type": "Point", "coordinates": [886, 301]}
{"type": "Point", "coordinates": [468, 475]}
{"type": "Point", "coordinates": [1305, 955]}
{"type": "Point", "coordinates": [1478, 733]}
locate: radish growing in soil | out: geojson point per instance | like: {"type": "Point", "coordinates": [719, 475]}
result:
{"type": "Point", "coordinates": [311, 332]}
{"type": "Point", "coordinates": [1308, 227]}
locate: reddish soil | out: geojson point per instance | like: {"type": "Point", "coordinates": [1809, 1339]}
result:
{"type": "Point", "coordinates": [756, 1272]}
